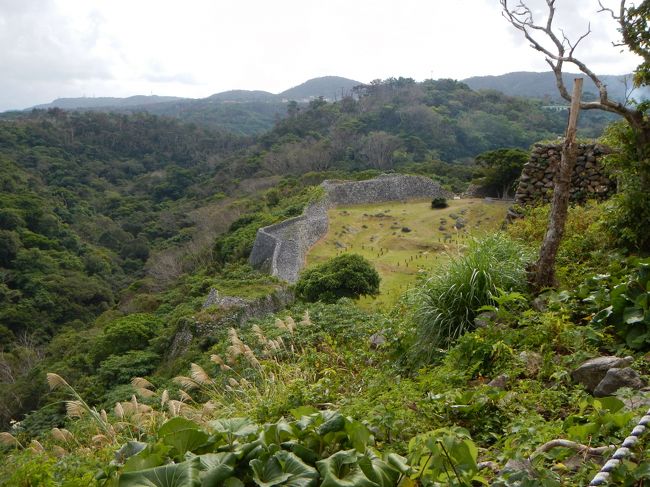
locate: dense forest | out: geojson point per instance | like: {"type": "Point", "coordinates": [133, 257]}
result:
{"type": "Point", "coordinates": [115, 227]}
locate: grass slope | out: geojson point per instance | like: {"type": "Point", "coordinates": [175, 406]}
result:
{"type": "Point", "coordinates": [378, 233]}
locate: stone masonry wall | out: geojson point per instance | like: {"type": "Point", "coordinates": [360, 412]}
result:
{"type": "Point", "coordinates": [281, 249]}
{"type": "Point", "coordinates": [589, 180]}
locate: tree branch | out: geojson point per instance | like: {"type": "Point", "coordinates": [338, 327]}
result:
{"type": "Point", "coordinates": [521, 17]}
{"type": "Point", "coordinates": [578, 447]}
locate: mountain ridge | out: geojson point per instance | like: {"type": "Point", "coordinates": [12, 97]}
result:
{"type": "Point", "coordinates": [329, 87]}
{"type": "Point", "coordinates": [542, 85]}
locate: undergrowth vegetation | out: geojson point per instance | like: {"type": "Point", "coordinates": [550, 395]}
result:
{"type": "Point", "coordinates": [444, 306]}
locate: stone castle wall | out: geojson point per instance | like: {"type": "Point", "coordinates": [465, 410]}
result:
{"type": "Point", "coordinates": [281, 249]}
{"type": "Point", "coordinates": [589, 179]}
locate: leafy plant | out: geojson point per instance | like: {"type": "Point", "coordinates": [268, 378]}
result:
{"type": "Point", "coordinates": [439, 203]}
{"type": "Point", "coordinates": [624, 305]}
{"type": "Point", "coordinates": [445, 305]}
{"type": "Point", "coordinates": [348, 275]}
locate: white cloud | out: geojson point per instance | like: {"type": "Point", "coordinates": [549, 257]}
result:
{"type": "Point", "coordinates": [54, 48]}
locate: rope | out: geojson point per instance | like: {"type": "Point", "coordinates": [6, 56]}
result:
{"type": "Point", "coordinates": [602, 477]}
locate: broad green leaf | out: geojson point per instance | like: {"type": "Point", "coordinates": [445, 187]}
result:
{"type": "Point", "coordinates": [343, 470]}
{"type": "Point", "coordinates": [643, 301]}
{"type": "Point", "coordinates": [152, 456]}
{"type": "Point", "coordinates": [637, 335]}
{"type": "Point", "coordinates": [239, 427]}
{"type": "Point", "coordinates": [358, 434]}
{"type": "Point", "coordinates": [301, 451]}
{"type": "Point", "coordinates": [184, 435]}
{"type": "Point", "coordinates": [129, 449]}
{"type": "Point", "coordinates": [632, 315]}
{"type": "Point", "coordinates": [377, 470]}
{"type": "Point", "coordinates": [336, 422]}
{"type": "Point", "coordinates": [268, 473]}
{"type": "Point", "coordinates": [301, 411]}
{"type": "Point", "coordinates": [398, 462]}
{"type": "Point", "coordinates": [216, 467]}
{"type": "Point", "coordinates": [602, 315]}
{"type": "Point", "coordinates": [249, 451]}
{"type": "Point", "coordinates": [233, 482]}
{"type": "Point", "coordinates": [185, 474]}
{"type": "Point", "coordinates": [284, 468]}
{"type": "Point", "coordinates": [278, 432]}
{"type": "Point", "coordinates": [612, 404]}
{"type": "Point", "coordinates": [582, 431]}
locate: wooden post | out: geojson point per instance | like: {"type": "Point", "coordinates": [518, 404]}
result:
{"type": "Point", "coordinates": [543, 272]}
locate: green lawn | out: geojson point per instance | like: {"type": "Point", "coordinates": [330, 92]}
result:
{"type": "Point", "coordinates": [379, 233]}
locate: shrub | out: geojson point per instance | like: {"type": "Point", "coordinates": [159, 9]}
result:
{"type": "Point", "coordinates": [345, 276]}
{"type": "Point", "coordinates": [131, 332]}
{"type": "Point", "coordinates": [120, 369]}
{"type": "Point", "coordinates": [445, 305]}
{"type": "Point", "coordinates": [437, 203]}
{"type": "Point", "coordinates": [630, 217]}
{"type": "Point", "coordinates": [586, 245]}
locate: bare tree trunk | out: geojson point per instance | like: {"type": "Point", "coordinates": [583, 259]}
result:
{"type": "Point", "coordinates": [543, 272]}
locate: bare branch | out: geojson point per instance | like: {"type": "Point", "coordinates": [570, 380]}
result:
{"type": "Point", "coordinates": [580, 448]}
{"type": "Point", "coordinates": [521, 18]}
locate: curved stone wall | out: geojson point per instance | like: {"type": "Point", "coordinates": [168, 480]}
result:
{"type": "Point", "coordinates": [281, 249]}
{"type": "Point", "coordinates": [588, 181]}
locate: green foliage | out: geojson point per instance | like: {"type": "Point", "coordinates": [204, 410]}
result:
{"type": "Point", "coordinates": [501, 170]}
{"type": "Point", "coordinates": [121, 368]}
{"type": "Point", "coordinates": [445, 456]}
{"type": "Point", "coordinates": [438, 203]}
{"type": "Point", "coordinates": [132, 332]}
{"type": "Point", "coordinates": [348, 275]}
{"type": "Point", "coordinates": [622, 302]}
{"type": "Point", "coordinates": [585, 246]}
{"type": "Point", "coordinates": [445, 305]}
{"type": "Point", "coordinates": [629, 219]}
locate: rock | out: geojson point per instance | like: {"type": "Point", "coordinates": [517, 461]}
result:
{"type": "Point", "coordinates": [639, 400]}
{"type": "Point", "coordinates": [615, 379]}
{"type": "Point", "coordinates": [377, 340]}
{"type": "Point", "coordinates": [225, 302]}
{"type": "Point", "coordinates": [406, 229]}
{"type": "Point", "coordinates": [499, 382]}
{"type": "Point", "coordinates": [514, 465]}
{"type": "Point", "coordinates": [533, 362]}
{"type": "Point", "coordinates": [484, 319]}
{"type": "Point", "coordinates": [591, 372]}
{"type": "Point", "coordinates": [540, 303]}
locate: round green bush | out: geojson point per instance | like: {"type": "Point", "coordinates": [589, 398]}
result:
{"type": "Point", "coordinates": [345, 276]}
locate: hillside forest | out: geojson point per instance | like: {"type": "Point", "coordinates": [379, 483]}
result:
{"type": "Point", "coordinates": [115, 228]}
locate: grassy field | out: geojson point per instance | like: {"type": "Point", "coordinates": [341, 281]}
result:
{"type": "Point", "coordinates": [405, 239]}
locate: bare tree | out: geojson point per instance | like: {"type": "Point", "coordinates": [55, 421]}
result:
{"type": "Point", "coordinates": [559, 50]}
{"type": "Point", "coordinates": [543, 271]}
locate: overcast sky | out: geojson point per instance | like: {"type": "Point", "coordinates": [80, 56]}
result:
{"type": "Point", "coordinates": [194, 48]}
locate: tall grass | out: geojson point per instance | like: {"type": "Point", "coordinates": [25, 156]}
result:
{"type": "Point", "coordinates": [444, 306]}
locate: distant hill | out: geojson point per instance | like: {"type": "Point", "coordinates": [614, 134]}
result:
{"type": "Point", "coordinates": [238, 96]}
{"type": "Point", "coordinates": [244, 112]}
{"type": "Point", "coordinates": [542, 85]}
{"type": "Point", "coordinates": [106, 102]}
{"type": "Point", "coordinates": [329, 87]}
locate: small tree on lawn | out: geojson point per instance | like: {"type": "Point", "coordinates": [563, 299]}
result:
{"type": "Point", "coordinates": [345, 276]}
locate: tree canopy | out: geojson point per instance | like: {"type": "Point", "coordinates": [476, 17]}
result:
{"type": "Point", "coordinates": [345, 276]}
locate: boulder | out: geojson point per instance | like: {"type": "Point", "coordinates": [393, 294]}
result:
{"type": "Point", "coordinates": [499, 382]}
{"type": "Point", "coordinates": [615, 379]}
{"type": "Point", "coordinates": [484, 319]}
{"type": "Point", "coordinates": [591, 372]}
{"type": "Point", "coordinates": [376, 340]}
